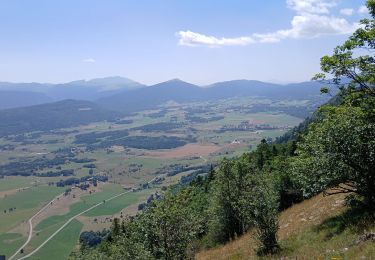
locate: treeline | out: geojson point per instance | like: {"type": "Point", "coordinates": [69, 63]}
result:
{"type": "Point", "coordinates": [199, 120]}
{"type": "Point", "coordinates": [144, 142]}
{"type": "Point", "coordinates": [73, 181]}
{"type": "Point", "coordinates": [55, 173]}
{"type": "Point", "coordinates": [30, 166]}
{"type": "Point", "coordinates": [159, 127]}
{"type": "Point", "coordinates": [97, 137]}
{"type": "Point", "coordinates": [102, 140]}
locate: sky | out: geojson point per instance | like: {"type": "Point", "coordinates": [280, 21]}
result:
{"type": "Point", "coordinates": [150, 41]}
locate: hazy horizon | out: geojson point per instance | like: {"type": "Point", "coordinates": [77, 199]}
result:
{"type": "Point", "coordinates": [153, 83]}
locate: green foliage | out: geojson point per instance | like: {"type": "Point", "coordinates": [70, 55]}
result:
{"type": "Point", "coordinates": [228, 190]}
{"type": "Point", "coordinates": [263, 212]}
{"type": "Point", "coordinates": [338, 151]}
{"type": "Point", "coordinates": [353, 60]}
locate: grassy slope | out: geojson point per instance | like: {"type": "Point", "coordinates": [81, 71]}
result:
{"type": "Point", "coordinates": [319, 228]}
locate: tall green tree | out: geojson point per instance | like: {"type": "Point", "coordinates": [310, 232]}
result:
{"type": "Point", "coordinates": [338, 152]}
{"type": "Point", "coordinates": [353, 60]}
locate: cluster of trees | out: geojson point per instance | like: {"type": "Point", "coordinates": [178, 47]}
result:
{"type": "Point", "coordinates": [159, 114]}
{"type": "Point", "coordinates": [198, 119]}
{"type": "Point", "coordinates": [124, 122]}
{"type": "Point", "coordinates": [97, 137]}
{"type": "Point", "coordinates": [74, 181]}
{"type": "Point", "coordinates": [334, 154]}
{"type": "Point", "coordinates": [159, 127]}
{"type": "Point", "coordinates": [29, 166]}
{"type": "Point", "coordinates": [64, 173]}
{"type": "Point", "coordinates": [108, 139]}
{"type": "Point", "coordinates": [150, 142]}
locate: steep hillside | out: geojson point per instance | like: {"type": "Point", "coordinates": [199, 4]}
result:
{"type": "Point", "coordinates": [12, 99]}
{"type": "Point", "coordinates": [51, 116]}
{"type": "Point", "coordinates": [318, 228]}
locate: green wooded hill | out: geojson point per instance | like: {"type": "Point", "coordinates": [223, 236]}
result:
{"type": "Point", "coordinates": [50, 116]}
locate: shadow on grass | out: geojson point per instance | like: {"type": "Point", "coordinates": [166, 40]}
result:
{"type": "Point", "coordinates": [358, 219]}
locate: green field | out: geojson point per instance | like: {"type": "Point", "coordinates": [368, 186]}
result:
{"type": "Point", "coordinates": [10, 242]}
{"type": "Point", "coordinates": [62, 244]}
{"type": "Point", "coordinates": [10, 183]}
{"type": "Point", "coordinates": [26, 203]}
{"type": "Point", "coordinates": [87, 201]}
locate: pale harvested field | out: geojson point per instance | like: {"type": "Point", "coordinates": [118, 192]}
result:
{"type": "Point", "coordinates": [62, 205]}
{"type": "Point", "coordinates": [293, 220]}
{"type": "Point", "coordinates": [186, 151]}
{"type": "Point", "coordinates": [104, 221]}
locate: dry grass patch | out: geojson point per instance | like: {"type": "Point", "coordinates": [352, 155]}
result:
{"type": "Point", "coordinates": [294, 220]}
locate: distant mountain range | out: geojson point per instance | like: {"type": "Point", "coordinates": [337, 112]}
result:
{"type": "Point", "coordinates": [33, 107]}
{"type": "Point", "coordinates": [24, 94]}
{"type": "Point", "coordinates": [180, 91]}
{"type": "Point", "coordinates": [126, 95]}
{"type": "Point", "coordinates": [12, 99]}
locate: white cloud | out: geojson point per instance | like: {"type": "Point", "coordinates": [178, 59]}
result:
{"type": "Point", "coordinates": [310, 26]}
{"type": "Point", "coordinates": [189, 38]}
{"type": "Point", "coordinates": [89, 60]}
{"type": "Point", "coordinates": [347, 11]}
{"type": "Point", "coordinates": [311, 6]}
{"type": "Point", "coordinates": [363, 9]}
{"type": "Point", "coordinates": [312, 20]}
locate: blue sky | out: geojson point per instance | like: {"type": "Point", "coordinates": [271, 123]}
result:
{"type": "Point", "coordinates": [199, 41]}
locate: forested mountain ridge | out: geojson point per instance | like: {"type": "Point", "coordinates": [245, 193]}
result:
{"type": "Point", "coordinates": [45, 117]}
